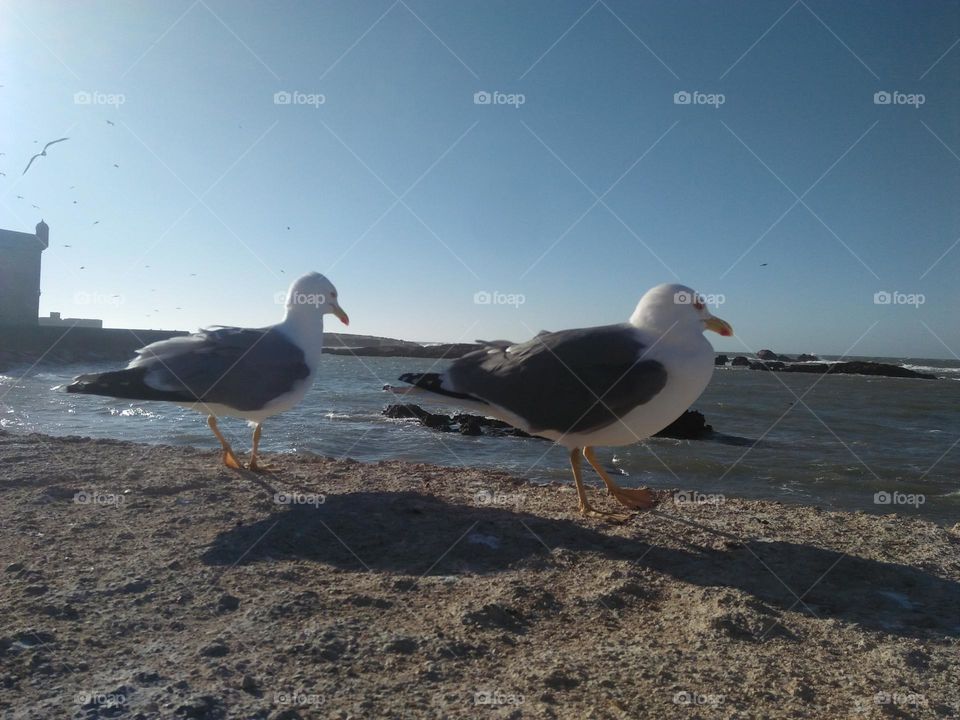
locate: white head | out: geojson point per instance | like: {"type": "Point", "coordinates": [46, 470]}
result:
{"type": "Point", "coordinates": [676, 308]}
{"type": "Point", "coordinates": [313, 296]}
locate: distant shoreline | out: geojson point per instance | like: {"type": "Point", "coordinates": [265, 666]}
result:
{"type": "Point", "coordinates": [57, 345]}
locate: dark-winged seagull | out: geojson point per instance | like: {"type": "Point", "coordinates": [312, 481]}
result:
{"type": "Point", "coordinates": [230, 371]}
{"type": "Point", "coordinates": [609, 385]}
{"type": "Point", "coordinates": [42, 153]}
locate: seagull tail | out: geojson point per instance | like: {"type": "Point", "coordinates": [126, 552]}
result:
{"type": "Point", "coordinates": [429, 384]}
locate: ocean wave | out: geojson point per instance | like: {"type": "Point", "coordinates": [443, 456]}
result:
{"type": "Point", "coordinates": [932, 369]}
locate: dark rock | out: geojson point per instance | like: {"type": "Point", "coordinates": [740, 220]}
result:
{"type": "Point", "coordinates": [804, 357]}
{"type": "Point", "coordinates": [767, 355]}
{"type": "Point", "coordinates": [215, 649]}
{"type": "Point", "coordinates": [228, 603]}
{"type": "Point", "coordinates": [740, 361]}
{"type": "Point", "coordinates": [471, 427]}
{"type": "Point", "coordinates": [721, 360]}
{"type": "Point", "coordinates": [768, 365]}
{"type": "Point", "coordinates": [14, 567]}
{"type": "Point", "coordinates": [401, 646]}
{"type": "Point", "coordinates": [689, 426]}
{"type": "Point", "coordinates": [859, 368]}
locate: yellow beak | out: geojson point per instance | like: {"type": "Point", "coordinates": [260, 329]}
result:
{"type": "Point", "coordinates": [338, 311]}
{"type": "Point", "coordinates": [719, 326]}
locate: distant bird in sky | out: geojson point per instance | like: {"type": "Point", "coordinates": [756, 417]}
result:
{"type": "Point", "coordinates": [68, 245]}
{"type": "Point", "coordinates": [19, 197]}
{"type": "Point", "coordinates": [3, 173]}
{"type": "Point", "coordinates": [288, 227]}
{"type": "Point", "coordinates": [74, 202]}
{"type": "Point", "coordinates": [609, 385]}
{"type": "Point", "coordinates": [193, 274]}
{"type": "Point", "coordinates": [763, 264]}
{"type": "Point", "coordinates": [43, 153]}
{"type": "Point", "coordinates": [35, 206]}
{"type": "Point", "coordinates": [249, 373]}
{"type": "Point", "coordinates": [83, 267]}
{"type": "Point", "coordinates": [96, 222]}
{"type": "Point", "coordinates": [110, 122]}
{"type": "Point", "coordinates": [115, 165]}
{"type": "Point", "coordinates": [71, 187]}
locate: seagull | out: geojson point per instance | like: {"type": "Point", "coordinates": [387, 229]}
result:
{"type": "Point", "coordinates": [42, 153]}
{"type": "Point", "coordinates": [110, 122]}
{"type": "Point", "coordinates": [763, 264]}
{"type": "Point", "coordinates": [231, 371]}
{"type": "Point", "coordinates": [96, 222]}
{"type": "Point", "coordinates": [599, 386]}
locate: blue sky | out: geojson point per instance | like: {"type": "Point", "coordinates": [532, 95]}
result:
{"type": "Point", "coordinates": [413, 198]}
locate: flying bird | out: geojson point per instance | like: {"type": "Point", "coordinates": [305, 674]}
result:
{"type": "Point", "coordinates": [96, 222]}
{"type": "Point", "coordinates": [115, 165]}
{"type": "Point", "coordinates": [599, 386]}
{"type": "Point", "coordinates": [110, 122]}
{"type": "Point", "coordinates": [42, 153]}
{"type": "Point", "coordinates": [231, 371]}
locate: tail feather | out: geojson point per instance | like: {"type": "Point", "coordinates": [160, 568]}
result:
{"type": "Point", "coordinates": [128, 384]}
{"type": "Point", "coordinates": [433, 382]}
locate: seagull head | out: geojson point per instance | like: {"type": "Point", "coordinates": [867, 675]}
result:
{"type": "Point", "coordinates": [672, 307]}
{"type": "Point", "coordinates": [313, 293]}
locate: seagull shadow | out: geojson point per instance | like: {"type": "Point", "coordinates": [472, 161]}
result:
{"type": "Point", "coordinates": [416, 534]}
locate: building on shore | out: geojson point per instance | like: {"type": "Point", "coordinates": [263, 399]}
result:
{"type": "Point", "coordinates": [20, 274]}
{"type": "Point", "coordinates": [56, 321]}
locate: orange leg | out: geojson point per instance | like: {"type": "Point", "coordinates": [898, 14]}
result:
{"type": "Point", "coordinates": [633, 498]}
{"type": "Point", "coordinates": [228, 457]}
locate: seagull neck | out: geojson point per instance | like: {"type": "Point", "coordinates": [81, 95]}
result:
{"type": "Point", "coordinates": [306, 330]}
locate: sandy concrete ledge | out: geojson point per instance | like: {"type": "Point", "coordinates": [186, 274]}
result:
{"type": "Point", "coordinates": [147, 582]}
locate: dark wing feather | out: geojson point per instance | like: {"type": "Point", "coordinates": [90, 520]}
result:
{"type": "Point", "coordinates": [568, 381]}
{"type": "Point", "coordinates": [237, 367]}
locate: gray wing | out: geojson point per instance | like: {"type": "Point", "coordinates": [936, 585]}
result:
{"type": "Point", "coordinates": [239, 367]}
{"type": "Point", "coordinates": [568, 381]}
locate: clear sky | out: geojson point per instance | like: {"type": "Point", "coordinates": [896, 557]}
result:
{"type": "Point", "coordinates": [783, 187]}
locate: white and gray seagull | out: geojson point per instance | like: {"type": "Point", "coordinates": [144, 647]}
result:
{"type": "Point", "coordinates": [599, 386]}
{"type": "Point", "coordinates": [249, 373]}
{"type": "Point", "coordinates": [42, 153]}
